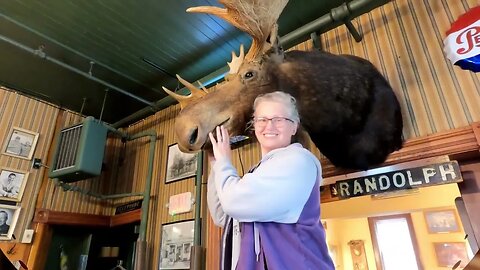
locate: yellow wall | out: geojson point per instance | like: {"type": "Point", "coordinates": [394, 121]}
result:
{"type": "Point", "coordinates": [347, 220]}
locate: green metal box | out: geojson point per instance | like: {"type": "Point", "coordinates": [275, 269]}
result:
{"type": "Point", "coordinates": [79, 152]}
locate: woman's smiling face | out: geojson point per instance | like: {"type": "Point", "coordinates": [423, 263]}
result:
{"type": "Point", "coordinates": [273, 125]}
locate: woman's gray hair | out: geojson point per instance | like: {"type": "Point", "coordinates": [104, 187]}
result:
{"type": "Point", "coordinates": [283, 98]}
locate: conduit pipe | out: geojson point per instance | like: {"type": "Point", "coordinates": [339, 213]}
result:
{"type": "Point", "coordinates": [196, 261]}
{"type": "Point", "coordinates": [43, 55]}
{"type": "Point", "coordinates": [339, 14]}
{"type": "Point", "coordinates": [140, 253]}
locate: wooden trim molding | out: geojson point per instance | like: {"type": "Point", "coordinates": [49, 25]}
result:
{"type": "Point", "coordinates": [456, 142]}
{"type": "Point", "coordinates": [126, 218]}
{"type": "Point", "coordinates": [75, 219]}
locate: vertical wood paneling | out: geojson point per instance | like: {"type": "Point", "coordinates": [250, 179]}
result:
{"type": "Point", "coordinates": [404, 40]}
{"type": "Point", "coordinates": [20, 111]}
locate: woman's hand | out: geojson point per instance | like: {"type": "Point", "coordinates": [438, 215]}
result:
{"type": "Point", "coordinates": [221, 146]}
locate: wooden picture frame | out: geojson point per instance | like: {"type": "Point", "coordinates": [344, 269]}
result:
{"type": "Point", "coordinates": [442, 221]}
{"type": "Point", "coordinates": [20, 143]}
{"type": "Point", "coordinates": [177, 241]}
{"type": "Point", "coordinates": [12, 184]}
{"type": "Point", "coordinates": [449, 253]}
{"type": "Point", "coordinates": [8, 220]}
{"type": "Point", "coordinates": [179, 165]}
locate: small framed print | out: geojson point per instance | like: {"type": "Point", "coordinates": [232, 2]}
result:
{"type": "Point", "coordinates": [12, 184]}
{"type": "Point", "coordinates": [450, 253]}
{"type": "Point", "coordinates": [8, 220]}
{"type": "Point", "coordinates": [442, 221]}
{"type": "Point", "coordinates": [180, 165]}
{"type": "Point", "coordinates": [20, 143]}
{"type": "Point", "coordinates": [177, 241]}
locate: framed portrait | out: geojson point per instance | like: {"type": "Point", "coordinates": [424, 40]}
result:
{"type": "Point", "coordinates": [449, 253]}
{"type": "Point", "coordinates": [442, 221]}
{"type": "Point", "coordinates": [8, 220]}
{"type": "Point", "coordinates": [20, 143]}
{"type": "Point", "coordinates": [179, 165]}
{"type": "Point", "coordinates": [12, 184]}
{"type": "Point", "coordinates": [177, 241]}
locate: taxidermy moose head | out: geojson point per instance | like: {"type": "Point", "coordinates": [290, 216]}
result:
{"type": "Point", "coordinates": [346, 106]}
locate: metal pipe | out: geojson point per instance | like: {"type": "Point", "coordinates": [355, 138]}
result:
{"type": "Point", "coordinates": [140, 254]}
{"type": "Point", "coordinates": [287, 41]}
{"type": "Point", "coordinates": [353, 31]}
{"type": "Point", "coordinates": [43, 55]}
{"type": "Point", "coordinates": [197, 240]}
{"type": "Point", "coordinates": [68, 187]}
{"type": "Point", "coordinates": [148, 184]}
{"type": "Point", "coordinates": [197, 250]}
{"type": "Point", "coordinates": [75, 51]}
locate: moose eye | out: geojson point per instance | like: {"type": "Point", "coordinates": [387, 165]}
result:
{"type": "Point", "coordinates": [249, 75]}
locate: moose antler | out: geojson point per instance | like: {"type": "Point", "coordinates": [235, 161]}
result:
{"type": "Point", "coordinates": [196, 93]}
{"type": "Point", "coordinates": [255, 17]}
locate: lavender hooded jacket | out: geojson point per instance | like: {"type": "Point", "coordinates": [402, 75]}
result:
{"type": "Point", "coordinates": [277, 207]}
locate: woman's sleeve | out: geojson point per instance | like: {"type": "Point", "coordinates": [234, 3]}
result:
{"type": "Point", "coordinates": [213, 202]}
{"type": "Point", "coordinates": [276, 191]}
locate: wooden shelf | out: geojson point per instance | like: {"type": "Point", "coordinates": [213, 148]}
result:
{"type": "Point", "coordinates": [75, 219]}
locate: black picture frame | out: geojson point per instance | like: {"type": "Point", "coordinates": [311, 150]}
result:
{"type": "Point", "coordinates": [176, 244]}
{"type": "Point", "coordinates": [179, 165]}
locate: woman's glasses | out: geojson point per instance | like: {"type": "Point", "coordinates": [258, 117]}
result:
{"type": "Point", "coordinates": [278, 122]}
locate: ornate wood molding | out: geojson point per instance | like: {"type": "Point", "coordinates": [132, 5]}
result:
{"type": "Point", "coordinates": [75, 219]}
{"type": "Point", "coordinates": [454, 143]}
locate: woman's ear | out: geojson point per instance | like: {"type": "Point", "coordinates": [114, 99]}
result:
{"type": "Point", "coordinates": [295, 129]}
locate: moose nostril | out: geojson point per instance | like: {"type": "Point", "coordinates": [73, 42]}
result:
{"type": "Point", "coordinates": [193, 136]}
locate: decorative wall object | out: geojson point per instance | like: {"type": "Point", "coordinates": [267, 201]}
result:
{"type": "Point", "coordinates": [177, 240]}
{"type": "Point", "coordinates": [442, 221]}
{"type": "Point", "coordinates": [359, 259]}
{"type": "Point", "coordinates": [8, 220]}
{"type": "Point", "coordinates": [179, 165]}
{"type": "Point", "coordinates": [180, 203]}
{"type": "Point", "coordinates": [448, 254]}
{"type": "Point", "coordinates": [20, 143]}
{"type": "Point", "coordinates": [12, 184]}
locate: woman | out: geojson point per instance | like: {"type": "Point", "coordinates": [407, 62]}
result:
{"type": "Point", "coordinates": [271, 215]}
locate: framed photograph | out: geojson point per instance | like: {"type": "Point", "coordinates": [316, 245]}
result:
{"type": "Point", "coordinates": [8, 220]}
{"type": "Point", "coordinates": [442, 221]}
{"type": "Point", "coordinates": [179, 165]}
{"type": "Point", "coordinates": [12, 184]}
{"type": "Point", "coordinates": [177, 241]}
{"type": "Point", "coordinates": [449, 253]}
{"type": "Point", "coordinates": [20, 143]}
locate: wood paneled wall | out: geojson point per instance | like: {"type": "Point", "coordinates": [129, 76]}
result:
{"type": "Point", "coordinates": [404, 39]}
{"type": "Point", "coordinates": [23, 112]}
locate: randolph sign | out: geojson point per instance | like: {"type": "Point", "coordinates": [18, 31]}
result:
{"type": "Point", "coordinates": [434, 174]}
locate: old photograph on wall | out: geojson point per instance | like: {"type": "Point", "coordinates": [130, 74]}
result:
{"type": "Point", "coordinates": [12, 184]}
{"type": "Point", "coordinates": [8, 220]}
{"type": "Point", "coordinates": [20, 143]}
{"type": "Point", "coordinates": [179, 165]}
{"type": "Point", "coordinates": [177, 241]}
